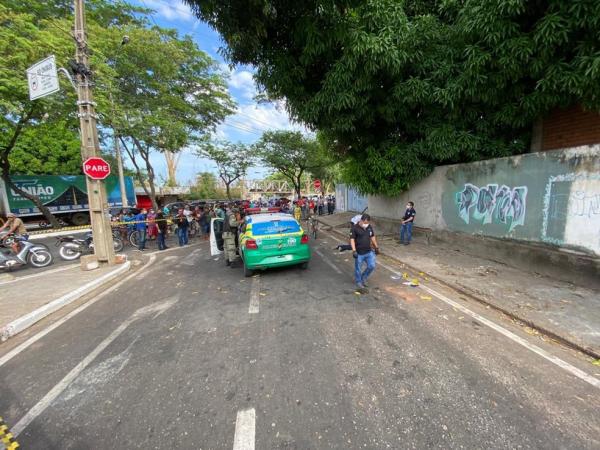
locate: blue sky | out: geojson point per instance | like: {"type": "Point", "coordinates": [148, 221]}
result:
{"type": "Point", "coordinates": [250, 120]}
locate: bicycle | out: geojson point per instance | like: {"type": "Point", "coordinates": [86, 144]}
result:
{"type": "Point", "coordinates": [313, 226]}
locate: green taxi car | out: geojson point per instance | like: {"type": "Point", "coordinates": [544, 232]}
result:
{"type": "Point", "coordinates": [270, 240]}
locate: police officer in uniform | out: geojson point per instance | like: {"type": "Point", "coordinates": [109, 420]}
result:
{"type": "Point", "coordinates": [230, 229]}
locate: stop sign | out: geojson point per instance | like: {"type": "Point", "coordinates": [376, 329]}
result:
{"type": "Point", "coordinates": [96, 168]}
{"type": "Point", "coordinates": [317, 184]}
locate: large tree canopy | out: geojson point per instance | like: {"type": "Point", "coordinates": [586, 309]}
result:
{"type": "Point", "coordinates": [401, 86]}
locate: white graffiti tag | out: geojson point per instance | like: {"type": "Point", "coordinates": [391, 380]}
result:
{"type": "Point", "coordinates": [493, 204]}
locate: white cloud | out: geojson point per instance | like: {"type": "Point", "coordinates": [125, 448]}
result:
{"type": "Point", "coordinates": [242, 80]}
{"type": "Point", "coordinates": [171, 10]}
{"type": "Point", "coordinates": [251, 120]}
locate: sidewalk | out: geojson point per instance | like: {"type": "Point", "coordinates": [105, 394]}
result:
{"type": "Point", "coordinates": [25, 301]}
{"type": "Point", "coordinates": [567, 311]}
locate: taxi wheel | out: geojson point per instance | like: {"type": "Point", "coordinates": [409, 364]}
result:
{"type": "Point", "coordinates": [304, 265]}
{"type": "Point", "coordinates": [248, 272]}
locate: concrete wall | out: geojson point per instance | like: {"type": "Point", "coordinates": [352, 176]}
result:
{"type": "Point", "coordinates": [548, 197]}
{"type": "Point", "coordinates": [349, 199]}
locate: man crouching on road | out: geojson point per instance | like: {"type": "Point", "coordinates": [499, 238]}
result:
{"type": "Point", "coordinates": [364, 248]}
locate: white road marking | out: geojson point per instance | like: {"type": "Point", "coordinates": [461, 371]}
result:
{"type": "Point", "coordinates": [245, 430]}
{"type": "Point", "coordinates": [329, 263]}
{"type": "Point", "coordinates": [190, 259]}
{"type": "Point", "coordinates": [519, 340]}
{"type": "Point", "coordinates": [254, 295]}
{"type": "Point", "coordinates": [32, 340]}
{"type": "Point", "coordinates": [45, 272]}
{"type": "Point", "coordinates": [41, 406]}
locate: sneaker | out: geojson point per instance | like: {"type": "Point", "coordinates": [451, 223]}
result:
{"type": "Point", "coordinates": [365, 284]}
{"type": "Point", "coordinates": [360, 286]}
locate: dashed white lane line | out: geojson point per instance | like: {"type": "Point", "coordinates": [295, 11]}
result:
{"type": "Point", "coordinates": [519, 340]}
{"type": "Point", "coordinates": [47, 400]}
{"type": "Point", "coordinates": [33, 339]}
{"type": "Point", "coordinates": [328, 262]}
{"type": "Point", "coordinates": [254, 295]}
{"type": "Point", "coordinates": [245, 430]}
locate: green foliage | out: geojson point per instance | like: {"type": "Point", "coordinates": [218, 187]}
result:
{"type": "Point", "coordinates": [289, 153]}
{"type": "Point", "coordinates": [205, 187]}
{"type": "Point", "coordinates": [398, 87]}
{"type": "Point", "coordinates": [232, 160]}
{"type": "Point", "coordinates": [47, 149]}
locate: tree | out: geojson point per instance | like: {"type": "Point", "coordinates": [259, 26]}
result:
{"type": "Point", "coordinates": [399, 87]}
{"type": "Point", "coordinates": [205, 187]}
{"type": "Point", "coordinates": [167, 94]}
{"type": "Point", "coordinates": [31, 31]}
{"type": "Point", "coordinates": [24, 40]}
{"type": "Point", "coordinates": [233, 161]}
{"type": "Point", "coordinates": [290, 153]}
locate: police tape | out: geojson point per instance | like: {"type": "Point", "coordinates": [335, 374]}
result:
{"type": "Point", "coordinates": [6, 437]}
{"type": "Point", "coordinates": [87, 227]}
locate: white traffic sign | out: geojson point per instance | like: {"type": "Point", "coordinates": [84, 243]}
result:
{"type": "Point", "coordinates": [43, 78]}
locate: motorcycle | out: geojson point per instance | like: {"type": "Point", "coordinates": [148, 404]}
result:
{"type": "Point", "coordinates": [71, 248]}
{"type": "Point", "coordinates": [36, 255]}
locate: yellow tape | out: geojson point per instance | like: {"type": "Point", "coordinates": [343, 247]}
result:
{"type": "Point", "coordinates": [86, 227]}
{"type": "Point", "coordinates": [7, 437]}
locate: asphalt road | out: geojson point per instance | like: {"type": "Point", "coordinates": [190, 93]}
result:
{"type": "Point", "coordinates": [50, 242]}
{"type": "Point", "coordinates": [190, 354]}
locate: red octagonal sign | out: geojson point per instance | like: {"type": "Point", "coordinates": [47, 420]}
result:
{"type": "Point", "coordinates": [96, 168]}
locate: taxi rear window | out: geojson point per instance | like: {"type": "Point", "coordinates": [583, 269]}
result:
{"type": "Point", "coordinates": [275, 227]}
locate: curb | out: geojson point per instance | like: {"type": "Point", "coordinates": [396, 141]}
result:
{"type": "Point", "coordinates": [551, 334]}
{"type": "Point", "coordinates": [24, 322]}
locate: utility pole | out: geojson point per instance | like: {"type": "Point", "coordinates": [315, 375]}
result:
{"type": "Point", "coordinates": [90, 146]}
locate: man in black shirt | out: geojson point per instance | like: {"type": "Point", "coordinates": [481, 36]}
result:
{"type": "Point", "coordinates": [364, 248]}
{"type": "Point", "coordinates": [407, 223]}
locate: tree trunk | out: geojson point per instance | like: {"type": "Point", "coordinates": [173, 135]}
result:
{"type": "Point", "coordinates": [145, 154]}
{"type": "Point", "coordinates": [172, 160]}
{"type": "Point", "coordinates": [228, 190]}
{"type": "Point", "coordinates": [138, 171]}
{"type": "Point", "coordinates": [5, 166]}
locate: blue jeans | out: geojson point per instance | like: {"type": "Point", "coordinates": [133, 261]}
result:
{"type": "Point", "coordinates": [161, 241]}
{"type": "Point", "coordinates": [182, 234]}
{"type": "Point", "coordinates": [141, 239]}
{"type": "Point", "coordinates": [369, 258]}
{"type": "Point", "coordinates": [406, 227]}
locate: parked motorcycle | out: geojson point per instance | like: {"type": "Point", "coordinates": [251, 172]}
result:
{"type": "Point", "coordinates": [34, 254]}
{"type": "Point", "coordinates": [71, 248]}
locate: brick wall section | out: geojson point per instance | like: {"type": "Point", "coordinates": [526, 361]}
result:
{"type": "Point", "coordinates": [570, 127]}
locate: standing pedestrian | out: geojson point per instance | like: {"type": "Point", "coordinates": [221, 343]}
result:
{"type": "Point", "coordinates": [364, 248]}
{"type": "Point", "coordinates": [152, 227]}
{"type": "Point", "coordinates": [182, 228]}
{"type": "Point", "coordinates": [140, 226]}
{"type": "Point", "coordinates": [161, 224]}
{"type": "Point", "coordinates": [407, 223]}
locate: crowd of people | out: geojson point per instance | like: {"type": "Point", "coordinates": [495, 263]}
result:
{"type": "Point", "coordinates": [189, 221]}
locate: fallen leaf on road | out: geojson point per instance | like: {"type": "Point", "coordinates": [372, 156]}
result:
{"type": "Point", "coordinates": [357, 293]}
{"type": "Point", "coordinates": [262, 294]}
{"type": "Point", "coordinates": [425, 297]}
{"type": "Point", "coordinates": [461, 317]}
{"type": "Point", "coordinates": [421, 273]}
{"type": "Point", "coordinates": [531, 331]}
{"type": "Point", "coordinates": [597, 362]}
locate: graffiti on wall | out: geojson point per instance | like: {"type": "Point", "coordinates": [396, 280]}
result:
{"type": "Point", "coordinates": [493, 204]}
{"type": "Point", "coordinates": [572, 210]}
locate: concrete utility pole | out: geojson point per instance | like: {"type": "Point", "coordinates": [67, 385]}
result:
{"type": "Point", "coordinates": [90, 147]}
